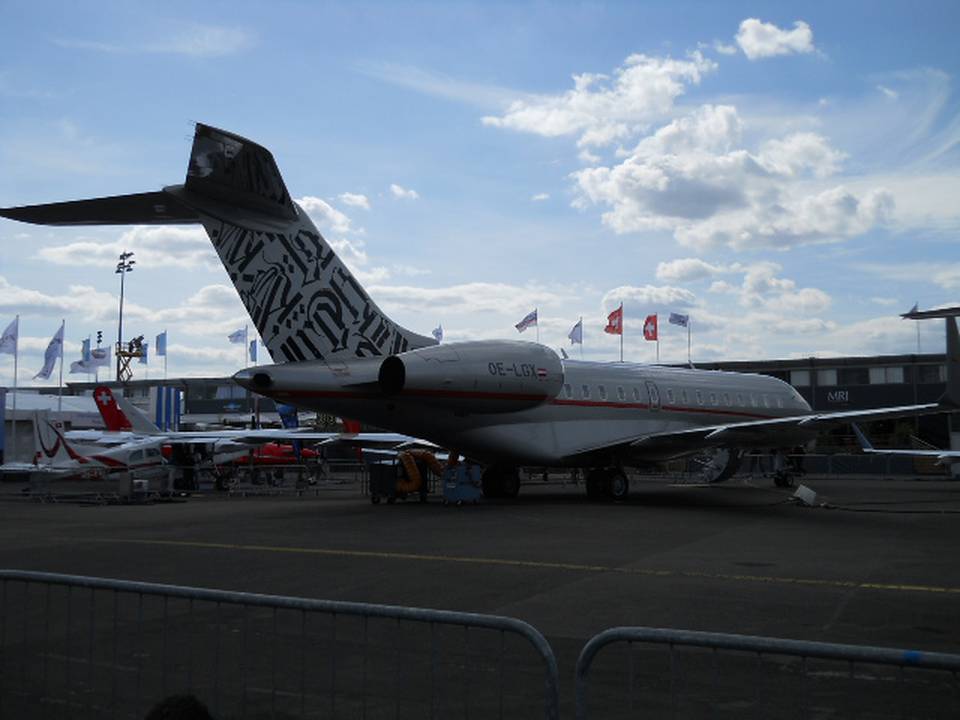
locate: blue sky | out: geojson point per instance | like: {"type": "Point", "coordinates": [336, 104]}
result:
{"type": "Point", "coordinates": [788, 178]}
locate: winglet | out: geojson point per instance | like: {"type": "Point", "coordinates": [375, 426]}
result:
{"type": "Point", "coordinates": [862, 438]}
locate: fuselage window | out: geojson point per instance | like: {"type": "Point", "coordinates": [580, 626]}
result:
{"type": "Point", "coordinates": [726, 399]}
{"type": "Point", "coordinates": [699, 397]}
{"type": "Point", "coordinates": [603, 393]}
{"type": "Point", "coordinates": [567, 391]}
{"type": "Point", "coordinates": [753, 400]}
{"type": "Point", "coordinates": [136, 456]}
{"type": "Point", "coordinates": [713, 398]}
{"type": "Point", "coordinates": [636, 394]}
{"type": "Point", "coordinates": [621, 394]}
{"type": "Point", "coordinates": [585, 390]}
{"type": "Point", "coordinates": [779, 401]}
{"type": "Point", "coordinates": [152, 452]}
{"type": "Point", "coordinates": [766, 401]}
{"type": "Point", "coordinates": [670, 395]}
{"type": "Point", "coordinates": [683, 396]}
{"type": "Point", "coordinates": [740, 400]}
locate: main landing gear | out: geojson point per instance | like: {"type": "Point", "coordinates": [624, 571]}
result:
{"type": "Point", "coordinates": [500, 482]}
{"type": "Point", "coordinates": [608, 482]}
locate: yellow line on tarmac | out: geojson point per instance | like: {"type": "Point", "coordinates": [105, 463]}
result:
{"type": "Point", "coordinates": [574, 567]}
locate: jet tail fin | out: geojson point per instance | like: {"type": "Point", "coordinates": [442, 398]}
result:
{"type": "Point", "coordinates": [120, 414]}
{"type": "Point", "coordinates": [51, 446]}
{"type": "Point", "coordinates": [304, 301]}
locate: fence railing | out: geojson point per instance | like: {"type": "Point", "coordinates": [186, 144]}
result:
{"type": "Point", "coordinates": [783, 678]}
{"type": "Point", "coordinates": [74, 646]}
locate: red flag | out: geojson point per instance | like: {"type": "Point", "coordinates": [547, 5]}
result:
{"type": "Point", "coordinates": [615, 322]}
{"type": "Point", "coordinates": [650, 327]}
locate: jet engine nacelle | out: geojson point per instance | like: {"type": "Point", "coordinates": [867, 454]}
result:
{"type": "Point", "coordinates": [482, 377]}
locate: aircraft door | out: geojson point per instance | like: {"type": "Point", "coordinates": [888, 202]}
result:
{"type": "Point", "coordinates": [654, 394]}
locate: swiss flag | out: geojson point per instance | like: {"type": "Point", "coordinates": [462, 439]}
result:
{"type": "Point", "coordinates": [650, 327]}
{"type": "Point", "coordinates": [615, 322]}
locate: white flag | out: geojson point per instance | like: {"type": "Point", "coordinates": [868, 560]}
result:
{"type": "Point", "coordinates": [576, 333]}
{"type": "Point", "coordinates": [8, 341]}
{"type": "Point", "coordinates": [53, 352]}
{"type": "Point", "coordinates": [82, 366]}
{"type": "Point", "coordinates": [438, 333]}
{"type": "Point", "coordinates": [238, 336]}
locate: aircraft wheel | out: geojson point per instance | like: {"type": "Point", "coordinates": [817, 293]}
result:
{"type": "Point", "coordinates": [375, 499]}
{"type": "Point", "coordinates": [391, 500]}
{"type": "Point", "coordinates": [492, 482]}
{"type": "Point", "coordinates": [510, 483]}
{"type": "Point", "coordinates": [782, 479]}
{"type": "Point", "coordinates": [619, 486]}
{"type": "Point", "coordinates": [595, 483]}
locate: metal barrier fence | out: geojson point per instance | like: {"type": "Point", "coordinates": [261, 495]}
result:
{"type": "Point", "coordinates": [73, 646]}
{"type": "Point", "coordinates": [783, 678]}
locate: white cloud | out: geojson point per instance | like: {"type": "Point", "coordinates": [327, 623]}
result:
{"type": "Point", "coordinates": [639, 302]}
{"type": "Point", "coordinates": [192, 40]}
{"type": "Point", "coordinates": [761, 287]}
{"type": "Point", "coordinates": [761, 40]}
{"type": "Point", "coordinates": [684, 269]}
{"type": "Point", "coordinates": [888, 93]}
{"type": "Point", "coordinates": [799, 153]}
{"type": "Point", "coordinates": [476, 297]}
{"type": "Point", "coordinates": [539, 197]}
{"type": "Point", "coordinates": [327, 217]}
{"type": "Point", "coordinates": [946, 275]}
{"type": "Point", "coordinates": [153, 246]}
{"type": "Point", "coordinates": [692, 177]}
{"type": "Point", "coordinates": [403, 193]}
{"type": "Point", "coordinates": [355, 200]}
{"type": "Point", "coordinates": [600, 109]}
{"type": "Point", "coordinates": [439, 85]}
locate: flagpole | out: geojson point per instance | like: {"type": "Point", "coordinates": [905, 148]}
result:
{"type": "Point", "coordinates": [63, 323]}
{"type": "Point", "coordinates": [689, 360]}
{"type": "Point", "coordinates": [622, 327]}
{"type": "Point", "coordinates": [164, 353]}
{"type": "Point", "coordinates": [581, 337]}
{"type": "Point", "coordinates": [537, 311]}
{"type": "Point", "coordinates": [13, 424]}
{"type": "Point", "coordinates": [246, 346]}
{"type": "Point", "coordinates": [658, 346]}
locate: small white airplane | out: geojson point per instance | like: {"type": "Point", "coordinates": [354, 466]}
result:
{"type": "Point", "coordinates": [56, 455]}
{"type": "Point", "coordinates": [503, 403]}
{"type": "Point", "coordinates": [125, 422]}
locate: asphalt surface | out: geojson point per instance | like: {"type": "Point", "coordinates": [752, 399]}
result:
{"type": "Point", "coordinates": [874, 564]}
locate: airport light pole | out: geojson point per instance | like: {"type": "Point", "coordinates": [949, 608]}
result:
{"type": "Point", "coordinates": [123, 267]}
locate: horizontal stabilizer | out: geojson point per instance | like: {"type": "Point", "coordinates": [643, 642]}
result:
{"type": "Point", "coordinates": [152, 208]}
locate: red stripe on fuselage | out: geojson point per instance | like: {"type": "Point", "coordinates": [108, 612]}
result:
{"type": "Point", "coordinates": [475, 395]}
{"type": "Point", "coordinates": [665, 408]}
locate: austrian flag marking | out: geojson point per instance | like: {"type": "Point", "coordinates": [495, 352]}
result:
{"type": "Point", "coordinates": [541, 372]}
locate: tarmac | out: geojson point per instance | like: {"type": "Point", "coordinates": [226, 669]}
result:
{"type": "Point", "coordinates": [872, 563]}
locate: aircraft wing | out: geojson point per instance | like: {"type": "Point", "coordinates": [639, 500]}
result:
{"type": "Point", "coordinates": [244, 437]}
{"type": "Point", "coordinates": [943, 456]}
{"type": "Point", "coordinates": [775, 432]}
{"type": "Point", "coordinates": [381, 441]}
